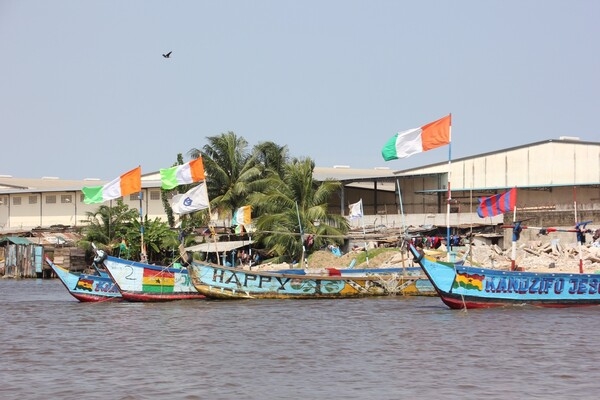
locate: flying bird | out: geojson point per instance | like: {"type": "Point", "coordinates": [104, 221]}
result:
{"type": "Point", "coordinates": [168, 55]}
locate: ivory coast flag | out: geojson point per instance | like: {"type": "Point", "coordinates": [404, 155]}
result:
{"type": "Point", "coordinates": [189, 172]}
{"type": "Point", "coordinates": [417, 140]}
{"type": "Point", "coordinates": [242, 216]}
{"type": "Point", "coordinates": [128, 183]}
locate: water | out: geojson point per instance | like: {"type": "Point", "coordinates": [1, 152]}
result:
{"type": "Point", "coordinates": [53, 347]}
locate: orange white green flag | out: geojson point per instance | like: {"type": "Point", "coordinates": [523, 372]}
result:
{"type": "Point", "coordinates": [128, 183]}
{"type": "Point", "coordinates": [417, 140]}
{"type": "Point", "coordinates": [242, 216]}
{"type": "Point", "coordinates": [189, 172]}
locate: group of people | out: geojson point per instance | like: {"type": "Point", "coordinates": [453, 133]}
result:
{"type": "Point", "coordinates": [245, 258]}
{"type": "Point", "coordinates": [434, 242]}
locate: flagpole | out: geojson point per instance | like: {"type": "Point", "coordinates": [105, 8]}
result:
{"type": "Point", "coordinates": [302, 262]}
{"type": "Point", "coordinates": [513, 263]}
{"type": "Point", "coordinates": [212, 228]}
{"type": "Point", "coordinates": [403, 220]}
{"type": "Point", "coordinates": [143, 255]}
{"type": "Point", "coordinates": [449, 191]}
{"type": "Point", "coordinates": [362, 219]}
{"type": "Point", "coordinates": [401, 206]}
{"type": "Point", "coordinates": [579, 234]}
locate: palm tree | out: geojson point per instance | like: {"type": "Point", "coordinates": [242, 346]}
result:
{"type": "Point", "coordinates": [230, 169]}
{"type": "Point", "coordinates": [294, 207]}
{"type": "Point", "coordinates": [272, 157]}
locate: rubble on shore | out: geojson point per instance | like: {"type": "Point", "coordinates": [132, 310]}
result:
{"type": "Point", "coordinates": [534, 255]}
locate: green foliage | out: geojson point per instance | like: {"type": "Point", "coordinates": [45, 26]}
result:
{"type": "Point", "coordinates": [230, 169]}
{"type": "Point", "coordinates": [160, 240]}
{"type": "Point", "coordinates": [107, 225]}
{"type": "Point", "coordinates": [293, 207]}
{"type": "Point", "coordinates": [271, 157]}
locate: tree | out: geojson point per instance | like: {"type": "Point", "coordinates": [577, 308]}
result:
{"type": "Point", "coordinates": [230, 169]}
{"type": "Point", "coordinates": [108, 226]}
{"type": "Point", "coordinates": [160, 240]}
{"type": "Point", "coordinates": [291, 208]}
{"type": "Point", "coordinates": [271, 157]}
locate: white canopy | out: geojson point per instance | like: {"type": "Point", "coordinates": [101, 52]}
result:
{"type": "Point", "coordinates": [212, 247]}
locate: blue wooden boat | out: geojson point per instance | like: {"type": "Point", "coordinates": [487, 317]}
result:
{"type": "Point", "coordinates": [462, 287]}
{"type": "Point", "coordinates": [221, 282]}
{"type": "Point", "coordinates": [139, 281]}
{"type": "Point", "coordinates": [87, 287]}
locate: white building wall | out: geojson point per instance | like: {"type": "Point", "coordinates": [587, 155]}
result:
{"type": "Point", "coordinates": [66, 208]}
{"type": "Point", "coordinates": [547, 164]}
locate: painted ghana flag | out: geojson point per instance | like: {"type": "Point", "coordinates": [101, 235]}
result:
{"type": "Point", "coordinates": [469, 281]}
{"type": "Point", "coordinates": [158, 281]}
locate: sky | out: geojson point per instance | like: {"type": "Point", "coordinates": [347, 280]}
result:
{"type": "Point", "coordinates": [86, 93]}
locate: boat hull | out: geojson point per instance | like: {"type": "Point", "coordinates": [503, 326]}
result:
{"type": "Point", "coordinates": [462, 287]}
{"type": "Point", "coordinates": [87, 287]}
{"type": "Point", "coordinates": [142, 282]}
{"type": "Point", "coordinates": [420, 287]}
{"type": "Point", "coordinates": [219, 282]}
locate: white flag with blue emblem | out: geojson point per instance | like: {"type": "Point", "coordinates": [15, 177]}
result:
{"type": "Point", "coordinates": [356, 210]}
{"type": "Point", "coordinates": [195, 199]}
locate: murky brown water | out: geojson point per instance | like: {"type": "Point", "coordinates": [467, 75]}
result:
{"type": "Point", "coordinates": [52, 347]}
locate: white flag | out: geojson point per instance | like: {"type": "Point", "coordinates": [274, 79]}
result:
{"type": "Point", "coordinates": [195, 199]}
{"type": "Point", "coordinates": [356, 210]}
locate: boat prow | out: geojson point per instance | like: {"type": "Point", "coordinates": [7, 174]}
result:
{"type": "Point", "coordinates": [86, 287]}
{"type": "Point", "coordinates": [462, 287]}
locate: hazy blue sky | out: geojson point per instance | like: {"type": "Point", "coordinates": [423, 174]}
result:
{"type": "Point", "coordinates": [85, 91]}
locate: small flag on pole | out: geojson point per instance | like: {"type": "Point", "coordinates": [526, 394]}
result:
{"type": "Point", "coordinates": [417, 140]}
{"type": "Point", "coordinates": [193, 200]}
{"type": "Point", "coordinates": [497, 204]}
{"type": "Point", "coordinates": [242, 216]}
{"type": "Point", "coordinates": [356, 210]}
{"type": "Point", "coordinates": [128, 183]}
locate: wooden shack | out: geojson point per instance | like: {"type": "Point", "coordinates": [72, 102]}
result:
{"type": "Point", "coordinates": [22, 258]}
{"type": "Point", "coordinates": [71, 258]}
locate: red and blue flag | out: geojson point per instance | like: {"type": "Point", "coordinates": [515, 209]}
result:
{"type": "Point", "coordinates": [497, 204]}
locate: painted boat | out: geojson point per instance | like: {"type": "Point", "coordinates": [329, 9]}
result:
{"type": "Point", "coordinates": [420, 287]}
{"type": "Point", "coordinates": [87, 287]}
{"type": "Point", "coordinates": [463, 287]}
{"type": "Point", "coordinates": [139, 281]}
{"type": "Point", "coordinates": [220, 282]}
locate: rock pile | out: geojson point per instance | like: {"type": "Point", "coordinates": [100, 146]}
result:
{"type": "Point", "coordinates": [534, 255]}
